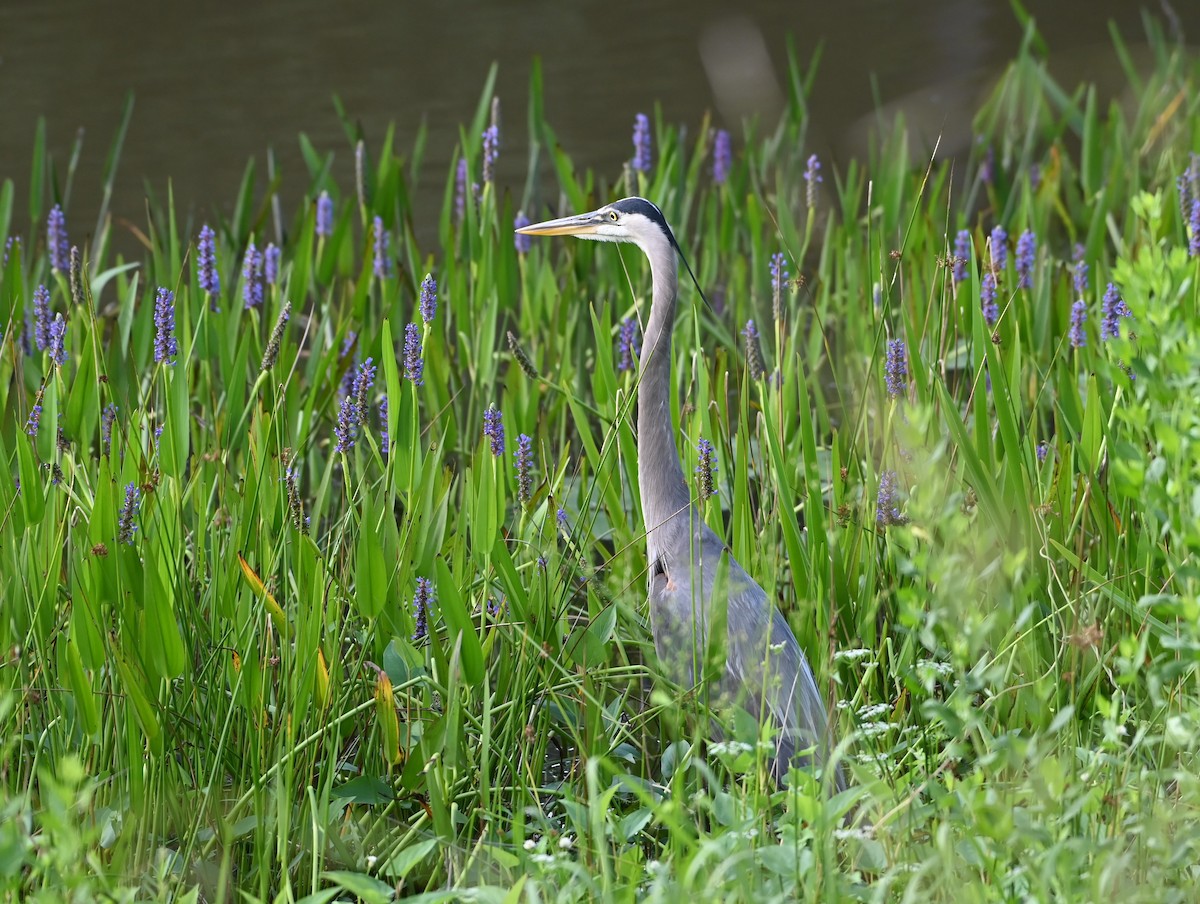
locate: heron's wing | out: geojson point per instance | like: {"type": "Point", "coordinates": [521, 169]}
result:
{"type": "Point", "coordinates": [769, 675]}
{"type": "Point", "coordinates": [766, 672]}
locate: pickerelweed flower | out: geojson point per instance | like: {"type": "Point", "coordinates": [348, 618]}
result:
{"type": "Point", "coordinates": [106, 424]}
{"type": "Point", "coordinates": [887, 508]}
{"type": "Point", "coordinates": [1078, 334]}
{"type": "Point", "coordinates": [364, 379]}
{"type": "Point", "coordinates": [384, 440]}
{"type": "Point", "coordinates": [348, 344]}
{"type": "Point", "coordinates": [987, 299]}
{"type": "Point", "coordinates": [76, 276]}
{"type": "Point", "coordinates": [291, 482]}
{"type": "Point", "coordinates": [999, 249]}
{"type": "Point", "coordinates": [206, 263]}
{"type": "Point", "coordinates": [252, 271]}
{"type": "Point", "coordinates": [779, 278]}
{"type": "Point", "coordinates": [523, 361]}
{"type": "Point", "coordinates": [629, 344]}
{"type": "Point", "coordinates": [383, 241]}
{"type": "Point", "coordinates": [962, 255]}
{"type": "Point", "coordinates": [1026, 254]}
{"type": "Point", "coordinates": [641, 143]}
{"type": "Point", "coordinates": [126, 524]}
{"type": "Point", "coordinates": [1194, 224]}
{"type": "Point", "coordinates": [706, 467]}
{"type": "Point", "coordinates": [754, 357]}
{"type": "Point", "coordinates": [493, 429]}
{"type": "Point", "coordinates": [35, 419]}
{"type": "Point", "coordinates": [460, 190]}
{"type": "Point", "coordinates": [896, 369]}
{"type": "Point", "coordinates": [427, 304]}
{"type": "Point", "coordinates": [812, 177]}
{"type": "Point", "coordinates": [1080, 273]}
{"type": "Point", "coordinates": [13, 241]}
{"type": "Point", "coordinates": [56, 240]}
{"type": "Point", "coordinates": [1042, 450]}
{"type": "Point", "coordinates": [57, 347]}
{"type": "Point", "coordinates": [41, 317]}
{"type": "Point", "coordinates": [561, 517]}
{"type": "Point", "coordinates": [273, 344]}
{"type": "Point", "coordinates": [346, 428]}
{"type": "Point", "coordinates": [523, 243]}
{"type": "Point", "coordinates": [1112, 309]}
{"type": "Point", "coordinates": [722, 156]}
{"type": "Point", "coordinates": [422, 600]}
{"type": "Point", "coordinates": [165, 346]}
{"type": "Point", "coordinates": [414, 363]}
{"type": "Point", "coordinates": [271, 259]}
{"type": "Point", "coordinates": [523, 459]}
{"type": "Point", "coordinates": [1184, 188]}
{"type": "Point", "coordinates": [491, 150]}
{"type": "Point", "coordinates": [324, 215]}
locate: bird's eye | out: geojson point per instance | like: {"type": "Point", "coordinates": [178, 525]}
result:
{"type": "Point", "coordinates": [612, 215]}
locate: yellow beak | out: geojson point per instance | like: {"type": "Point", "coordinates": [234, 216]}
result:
{"type": "Point", "coordinates": [580, 224]}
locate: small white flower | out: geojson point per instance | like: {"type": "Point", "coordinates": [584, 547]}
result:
{"type": "Point", "coordinates": [566, 842]}
{"type": "Point", "coordinates": [371, 858]}
{"type": "Point", "coordinates": [851, 655]}
{"type": "Point", "coordinates": [542, 858]}
{"type": "Point", "coordinates": [863, 834]}
{"type": "Point", "coordinates": [874, 711]}
{"type": "Point", "coordinates": [653, 868]}
{"type": "Point", "coordinates": [871, 729]}
{"type": "Point", "coordinates": [530, 844]}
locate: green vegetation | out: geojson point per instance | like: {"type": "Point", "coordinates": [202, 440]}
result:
{"type": "Point", "coordinates": [230, 706]}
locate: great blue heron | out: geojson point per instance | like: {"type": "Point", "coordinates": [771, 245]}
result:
{"type": "Point", "coordinates": [765, 669]}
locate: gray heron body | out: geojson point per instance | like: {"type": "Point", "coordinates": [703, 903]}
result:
{"type": "Point", "coordinates": [765, 671]}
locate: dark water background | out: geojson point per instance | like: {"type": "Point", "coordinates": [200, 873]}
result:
{"type": "Point", "coordinates": [218, 83]}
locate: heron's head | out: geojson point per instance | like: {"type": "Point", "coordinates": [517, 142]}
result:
{"type": "Point", "coordinates": [633, 220]}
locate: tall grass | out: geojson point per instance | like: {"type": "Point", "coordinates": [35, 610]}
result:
{"type": "Point", "coordinates": [215, 684]}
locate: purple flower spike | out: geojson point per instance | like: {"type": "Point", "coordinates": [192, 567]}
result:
{"type": "Point", "coordinates": [414, 364]}
{"type": "Point", "coordinates": [1078, 334]}
{"type": "Point", "coordinates": [41, 317]}
{"type": "Point", "coordinates": [987, 299]}
{"type": "Point", "coordinates": [206, 263]}
{"type": "Point", "coordinates": [165, 346]}
{"type": "Point", "coordinates": [460, 190]}
{"type": "Point", "coordinates": [324, 215]}
{"type": "Point", "coordinates": [523, 459]}
{"type": "Point", "coordinates": [1026, 255]}
{"type": "Point", "coordinates": [896, 369]}
{"type": "Point", "coordinates": [1112, 309]}
{"type": "Point", "coordinates": [106, 424]}
{"type": "Point", "coordinates": [252, 273]}
{"type": "Point", "coordinates": [383, 240]}
{"type": "Point", "coordinates": [347, 424]}
{"type": "Point", "coordinates": [271, 259]}
{"type": "Point", "coordinates": [1194, 224]}
{"type": "Point", "coordinates": [999, 249]}
{"type": "Point", "coordinates": [57, 347]}
{"type": "Point", "coordinates": [641, 143]}
{"type": "Point", "coordinates": [34, 421]}
{"type": "Point", "coordinates": [126, 520]}
{"type": "Point", "coordinates": [56, 240]}
{"type": "Point", "coordinates": [722, 157]}
{"type": "Point", "coordinates": [427, 304]}
{"type": "Point", "coordinates": [962, 255]}
{"type": "Point", "coordinates": [523, 243]}
{"type": "Point", "coordinates": [491, 150]}
{"type": "Point", "coordinates": [1080, 273]}
{"type": "Point", "coordinates": [629, 344]}
{"type": "Point", "coordinates": [493, 429]}
{"type": "Point", "coordinates": [812, 176]}
{"type": "Point", "coordinates": [706, 467]}
{"type": "Point", "coordinates": [422, 600]}
{"type": "Point", "coordinates": [887, 508]}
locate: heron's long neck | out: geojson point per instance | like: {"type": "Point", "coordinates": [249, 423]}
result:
{"type": "Point", "coordinates": [660, 474]}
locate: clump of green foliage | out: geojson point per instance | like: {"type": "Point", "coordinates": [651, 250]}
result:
{"type": "Point", "coordinates": [267, 636]}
